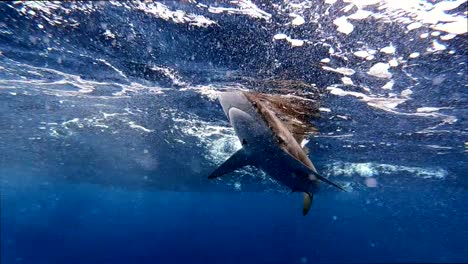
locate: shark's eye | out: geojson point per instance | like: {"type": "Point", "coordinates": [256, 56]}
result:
{"type": "Point", "coordinates": [244, 142]}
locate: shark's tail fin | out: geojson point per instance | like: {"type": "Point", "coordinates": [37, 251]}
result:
{"type": "Point", "coordinates": [308, 197]}
{"type": "Point", "coordinates": [320, 177]}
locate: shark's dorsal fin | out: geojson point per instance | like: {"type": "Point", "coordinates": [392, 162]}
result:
{"type": "Point", "coordinates": [307, 202]}
{"type": "Point", "coordinates": [236, 161]}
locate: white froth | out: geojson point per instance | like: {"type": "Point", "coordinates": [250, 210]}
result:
{"type": "Point", "coordinates": [142, 128]}
{"type": "Point", "coordinates": [347, 81]}
{"type": "Point", "coordinates": [430, 109]}
{"type": "Point", "coordinates": [389, 85]}
{"type": "Point", "coordinates": [436, 46]}
{"type": "Point", "coordinates": [108, 34]}
{"type": "Point", "coordinates": [388, 50]}
{"type": "Point", "coordinates": [220, 141]}
{"type": "Point", "coordinates": [178, 16]}
{"type": "Point", "coordinates": [207, 90]}
{"type": "Point", "coordinates": [295, 42]}
{"type": "Point", "coordinates": [393, 62]}
{"type": "Point", "coordinates": [448, 37]}
{"type": "Point", "coordinates": [245, 7]}
{"type": "Point", "coordinates": [383, 103]}
{"type": "Point", "coordinates": [457, 27]}
{"type": "Point", "coordinates": [360, 14]}
{"type": "Point", "coordinates": [361, 54]}
{"type": "Point", "coordinates": [362, 3]}
{"type": "Point", "coordinates": [343, 25]}
{"type": "Point", "coordinates": [406, 93]}
{"type": "Point", "coordinates": [341, 70]}
{"type": "Point", "coordinates": [298, 20]}
{"type": "Point", "coordinates": [414, 55]}
{"type": "Point", "coordinates": [369, 169]}
{"type": "Point", "coordinates": [280, 36]}
{"type": "Point", "coordinates": [380, 70]}
{"type": "Point", "coordinates": [414, 25]}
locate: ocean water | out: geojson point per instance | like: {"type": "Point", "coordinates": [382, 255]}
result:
{"type": "Point", "coordinates": [109, 127]}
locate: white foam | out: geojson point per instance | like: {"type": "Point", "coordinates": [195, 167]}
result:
{"type": "Point", "coordinates": [431, 109]}
{"type": "Point", "coordinates": [142, 128]}
{"type": "Point", "coordinates": [293, 42]}
{"type": "Point", "coordinates": [171, 74]}
{"type": "Point", "coordinates": [280, 36]}
{"type": "Point", "coordinates": [360, 14]}
{"type": "Point", "coordinates": [361, 54]}
{"type": "Point", "coordinates": [220, 141]}
{"type": "Point", "coordinates": [393, 62]}
{"type": "Point", "coordinates": [406, 93]}
{"type": "Point", "coordinates": [298, 20]}
{"type": "Point", "coordinates": [457, 27]}
{"type": "Point", "coordinates": [414, 25]}
{"type": "Point", "coordinates": [347, 81]}
{"type": "Point", "coordinates": [380, 70]}
{"type": "Point", "coordinates": [113, 67]}
{"type": "Point", "coordinates": [388, 50]}
{"type": "Point", "coordinates": [369, 169]}
{"type": "Point", "coordinates": [383, 103]}
{"type": "Point", "coordinates": [436, 46]}
{"type": "Point", "coordinates": [414, 55]}
{"type": "Point", "coordinates": [343, 25]}
{"type": "Point", "coordinates": [362, 3]}
{"type": "Point", "coordinates": [296, 42]}
{"type": "Point", "coordinates": [108, 34]}
{"type": "Point", "coordinates": [341, 70]}
{"type": "Point", "coordinates": [245, 7]}
{"type": "Point", "coordinates": [448, 37]}
{"type": "Point", "coordinates": [178, 16]}
{"type": "Point", "coordinates": [389, 85]}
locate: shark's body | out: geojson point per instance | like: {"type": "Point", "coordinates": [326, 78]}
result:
{"type": "Point", "coordinates": [268, 145]}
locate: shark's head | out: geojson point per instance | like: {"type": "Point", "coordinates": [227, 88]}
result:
{"type": "Point", "coordinates": [245, 127]}
{"type": "Point", "coordinates": [245, 120]}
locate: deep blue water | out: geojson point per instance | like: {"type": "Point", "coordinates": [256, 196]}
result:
{"type": "Point", "coordinates": [80, 223]}
{"type": "Point", "coordinates": [109, 126]}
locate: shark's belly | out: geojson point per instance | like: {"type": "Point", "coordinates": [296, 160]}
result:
{"type": "Point", "coordinates": [286, 171]}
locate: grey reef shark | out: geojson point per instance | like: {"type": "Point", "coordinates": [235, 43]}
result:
{"type": "Point", "coordinates": [270, 141]}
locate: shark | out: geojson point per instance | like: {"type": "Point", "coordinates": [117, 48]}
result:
{"type": "Point", "coordinates": [269, 143]}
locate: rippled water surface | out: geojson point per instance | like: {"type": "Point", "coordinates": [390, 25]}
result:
{"type": "Point", "coordinates": [109, 126]}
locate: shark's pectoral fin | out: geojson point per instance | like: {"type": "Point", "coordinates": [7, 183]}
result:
{"type": "Point", "coordinates": [236, 161]}
{"type": "Point", "coordinates": [307, 202]}
{"type": "Point", "coordinates": [320, 177]}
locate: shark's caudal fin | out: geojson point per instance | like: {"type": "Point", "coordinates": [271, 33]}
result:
{"type": "Point", "coordinates": [236, 161]}
{"type": "Point", "coordinates": [307, 202]}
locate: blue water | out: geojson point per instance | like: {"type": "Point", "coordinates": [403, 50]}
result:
{"type": "Point", "coordinates": [88, 223]}
{"type": "Point", "coordinates": [109, 127]}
